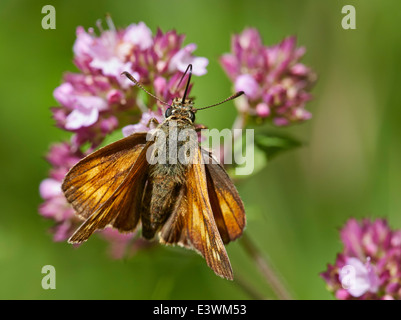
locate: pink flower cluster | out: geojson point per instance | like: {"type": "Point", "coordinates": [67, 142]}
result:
{"type": "Point", "coordinates": [97, 100]}
{"type": "Point", "coordinates": [370, 265]}
{"type": "Point", "coordinates": [276, 84]}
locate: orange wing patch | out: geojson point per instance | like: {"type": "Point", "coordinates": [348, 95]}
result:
{"type": "Point", "coordinates": [122, 208]}
{"type": "Point", "coordinates": [201, 228]}
{"type": "Point", "coordinates": [96, 177]}
{"type": "Point", "coordinates": [226, 203]}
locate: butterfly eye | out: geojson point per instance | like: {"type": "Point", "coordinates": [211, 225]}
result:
{"type": "Point", "coordinates": [168, 112]}
{"type": "Point", "coordinates": [192, 116]}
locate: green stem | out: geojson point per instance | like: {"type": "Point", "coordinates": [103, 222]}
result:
{"type": "Point", "coordinates": [249, 289]}
{"type": "Point", "coordinates": [271, 277]}
{"type": "Point", "coordinates": [265, 268]}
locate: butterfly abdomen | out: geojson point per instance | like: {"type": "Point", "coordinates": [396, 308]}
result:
{"type": "Point", "coordinates": [158, 203]}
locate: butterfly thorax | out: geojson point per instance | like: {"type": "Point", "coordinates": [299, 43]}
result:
{"type": "Point", "coordinates": [174, 140]}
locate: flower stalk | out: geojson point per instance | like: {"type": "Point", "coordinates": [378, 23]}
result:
{"type": "Point", "coordinates": [272, 278]}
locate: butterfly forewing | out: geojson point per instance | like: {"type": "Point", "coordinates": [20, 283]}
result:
{"type": "Point", "coordinates": [94, 179]}
{"type": "Point", "coordinates": [122, 208]}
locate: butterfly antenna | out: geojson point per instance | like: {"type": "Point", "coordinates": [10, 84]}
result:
{"type": "Point", "coordinates": [129, 76]}
{"type": "Point", "coordinates": [188, 81]}
{"type": "Point", "coordinates": [182, 78]}
{"type": "Point", "coordinates": [236, 95]}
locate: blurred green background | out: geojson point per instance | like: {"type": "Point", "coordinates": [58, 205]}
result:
{"type": "Point", "coordinates": [349, 167]}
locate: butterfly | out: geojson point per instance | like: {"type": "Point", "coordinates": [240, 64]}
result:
{"type": "Point", "coordinates": [194, 204]}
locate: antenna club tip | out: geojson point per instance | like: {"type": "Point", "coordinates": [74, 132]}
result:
{"type": "Point", "coordinates": [129, 76]}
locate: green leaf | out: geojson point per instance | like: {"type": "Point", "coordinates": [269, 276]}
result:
{"type": "Point", "coordinates": [266, 145]}
{"type": "Point", "coordinates": [273, 144]}
{"type": "Point", "coordinates": [259, 162]}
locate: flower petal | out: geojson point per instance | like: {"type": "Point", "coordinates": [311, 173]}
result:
{"type": "Point", "coordinates": [139, 35]}
{"type": "Point", "coordinates": [83, 117]}
{"type": "Point", "coordinates": [49, 188]}
{"type": "Point", "coordinates": [248, 84]}
{"type": "Point", "coordinates": [184, 57]}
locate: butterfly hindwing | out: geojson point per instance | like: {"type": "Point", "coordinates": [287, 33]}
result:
{"type": "Point", "coordinates": [208, 213]}
{"type": "Point", "coordinates": [227, 206]}
{"type": "Point", "coordinates": [173, 230]}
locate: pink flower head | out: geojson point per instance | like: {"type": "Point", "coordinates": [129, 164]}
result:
{"type": "Point", "coordinates": [370, 265]}
{"type": "Point", "coordinates": [94, 102]}
{"type": "Point", "coordinates": [271, 76]}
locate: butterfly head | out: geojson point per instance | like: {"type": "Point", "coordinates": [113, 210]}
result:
{"type": "Point", "coordinates": [181, 110]}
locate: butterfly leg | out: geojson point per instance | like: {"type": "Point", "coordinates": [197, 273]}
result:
{"type": "Point", "coordinates": [200, 127]}
{"type": "Point", "coordinates": [153, 121]}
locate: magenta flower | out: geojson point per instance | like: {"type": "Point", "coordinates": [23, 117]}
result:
{"type": "Point", "coordinates": [276, 84]}
{"type": "Point", "coordinates": [62, 157]}
{"type": "Point", "coordinates": [370, 265]}
{"type": "Point", "coordinates": [99, 100]}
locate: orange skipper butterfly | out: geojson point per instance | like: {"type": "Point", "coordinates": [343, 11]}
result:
{"type": "Point", "coordinates": [193, 204]}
